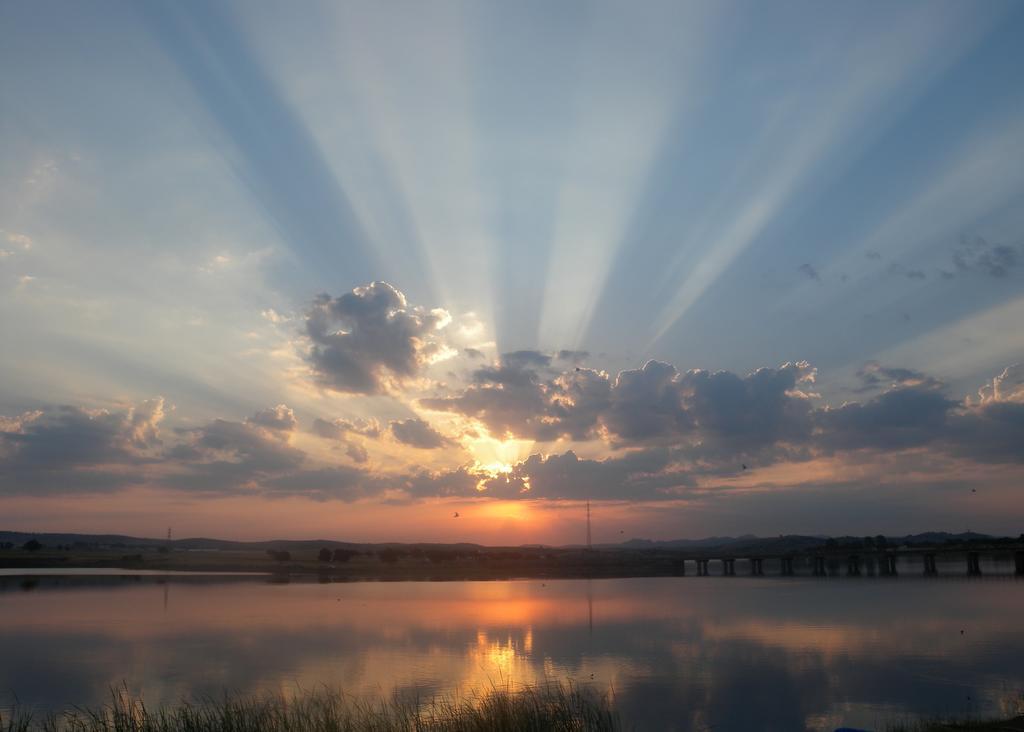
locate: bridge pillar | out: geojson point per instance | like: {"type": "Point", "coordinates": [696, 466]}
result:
{"type": "Point", "coordinates": [1018, 563]}
{"type": "Point", "coordinates": [973, 564]}
{"type": "Point", "coordinates": [679, 568]}
{"type": "Point", "coordinates": [819, 566]}
{"type": "Point", "coordinates": [853, 566]}
{"type": "Point", "coordinates": [702, 567]}
{"type": "Point", "coordinates": [887, 563]}
{"type": "Point", "coordinates": [756, 569]}
{"type": "Point", "coordinates": [930, 568]}
{"type": "Point", "coordinates": [787, 566]}
{"type": "Point", "coordinates": [728, 567]}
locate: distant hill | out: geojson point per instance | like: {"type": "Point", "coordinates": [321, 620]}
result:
{"type": "Point", "coordinates": [745, 543]}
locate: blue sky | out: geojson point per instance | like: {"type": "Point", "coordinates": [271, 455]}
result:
{"type": "Point", "coordinates": [718, 186]}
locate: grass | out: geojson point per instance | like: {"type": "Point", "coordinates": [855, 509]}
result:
{"type": "Point", "coordinates": [552, 706]}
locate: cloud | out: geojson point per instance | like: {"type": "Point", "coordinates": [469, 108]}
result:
{"type": "Point", "coordinates": [357, 452]}
{"type": "Point", "coordinates": [338, 483]}
{"type": "Point", "coordinates": [903, 271]}
{"type": "Point", "coordinates": [514, 399]}
{"type": "Point", "coordinates": [741, 413]}
{"type": "Point", "coordinates": [68, 448]}
{"type": "Point", "coordinates": [22, 240]}
{"type": "Point", "coordinates": [640, 476]}
{"type": "Point", "coordinates": [636, 475]}
{"type": "Point", "coordinates": [1007, 387]}
{"type": "Point", "coordinates": [369, 337]}
{"type": "Point", "coordinates": [339, 428]}
{"type": "Point", "coordinates": [900, 418]}
{"type": "Point", "coordinates": [280, 418]}
{"type": "Point", "coordinates": [977, 255]}
{"type": "Point", "coordinates": [526, 359]}
{"type": "Point", "coordinates": [875, 376]}
{"type": "Point", "coordinates": [653, 403]}
{"type": "Point", "coordinates": [808, 271]}
{"type": "Point", "coordinates": [574, 357]}
{"type": "Point", "coordinates": [665, 434]}
{"type": "Point", "coordinates": [225, 456]}
{"type": "Point", "coordinates": [646, 403]}
{"type": "Point", "coordinates": [417, 433]}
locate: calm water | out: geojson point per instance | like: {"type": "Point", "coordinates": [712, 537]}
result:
{"type": "Point", "coordinates": [680, 653]}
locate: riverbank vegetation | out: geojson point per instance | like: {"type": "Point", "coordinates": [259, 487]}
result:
{"type": "Point", "coordinates": [976, 725]}
{"type": "Point", "coordinates": [552, 706]}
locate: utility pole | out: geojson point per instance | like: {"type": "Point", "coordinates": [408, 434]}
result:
{"type": "Point", "coordinates": [589, 543]}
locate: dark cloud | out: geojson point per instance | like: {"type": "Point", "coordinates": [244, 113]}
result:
{"type": "Point", "coordinates": [904, 271]}
{"type": "Point", "coordinates": [977, 255]}
{"type": "Point", "coordinates": [739, 413]}
{"type": "Point", "coordinates": [646, 403]}
{"type": "Point", "coordinates": [417, 433]}
{"type": "Point", "coordinates": [225, 456]}
{"type": "Point", "coordinates": [507, 400]}
{"type": "Point", "coordinates": [667, 430]}
{"type": "Point", "coordinates": [874, 376]}
{"type": "Point", "coordinates": [640, 475]}
{"type": "Point", "coordinates": [574, 357]}
{"type": "Point", "coordinates": [900, 418]}
{"type": "Point", "coordinates": [338, 483]}
{"type": "Point", "coordinates": [280, 417]}
{"type": "Point", "coordinates": [808, 271]}
{"type": "Point", "coordinates": [339, 428]}
{"type": "Point", "coordinates": [473, 353]}
{"type": "Point", "coordinates": [872, 254]}
{"type": "Point", "coordinates": [366, 337]}
{"type": "Point", "coordinates": [513, 399]}
{"type": "Point", "coordinates": [525, 359]}
{"type": "Point", "coordinates": [357, 452]}
{"type": "Point", "coordinates": [69, 449]}
{"type": "Point", "coordinates": [636, 475]}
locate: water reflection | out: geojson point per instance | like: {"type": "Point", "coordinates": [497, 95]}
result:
{"type": "Point", "coordinates": [680, 653]}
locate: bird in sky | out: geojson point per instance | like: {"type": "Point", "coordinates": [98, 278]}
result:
{"type": "Point", "coordinates": [455, 515]}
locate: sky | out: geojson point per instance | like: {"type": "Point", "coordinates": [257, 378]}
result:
{"type": "Point", "coordinates": [446, 271]}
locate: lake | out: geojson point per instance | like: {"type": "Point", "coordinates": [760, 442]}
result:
{"type": "Point", "coordinates": [681, 653]}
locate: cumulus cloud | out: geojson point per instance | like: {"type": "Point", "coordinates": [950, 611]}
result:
{"type": "Point", "coordinates": [513, 398]}
{"type": "Point", "coordinates": [279, 418]}
{"type": "Point", "coordinates": [653, 403]}
{"type": "Point", "coordinates": [371, 336]}
{"type": "Point", "coordinates": [636, 475]}
{"type": "Point", "coordinates": [664, 431]}
{"type": "Point", "coordinates": [900, 418]}
{"type": "Point", "coordinates": [417, 433]}
{"type": "Point", "coordinates": [762, 408]}
{"type": "Point", "coordinates": [226, 456]}
{"type": "Point", "coordinates": [69, 448]}
{"type": "Point", "coordinates": [346, 432]}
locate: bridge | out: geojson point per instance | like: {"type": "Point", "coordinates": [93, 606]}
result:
{"type": "Point", "coordinates": [850, 563]}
